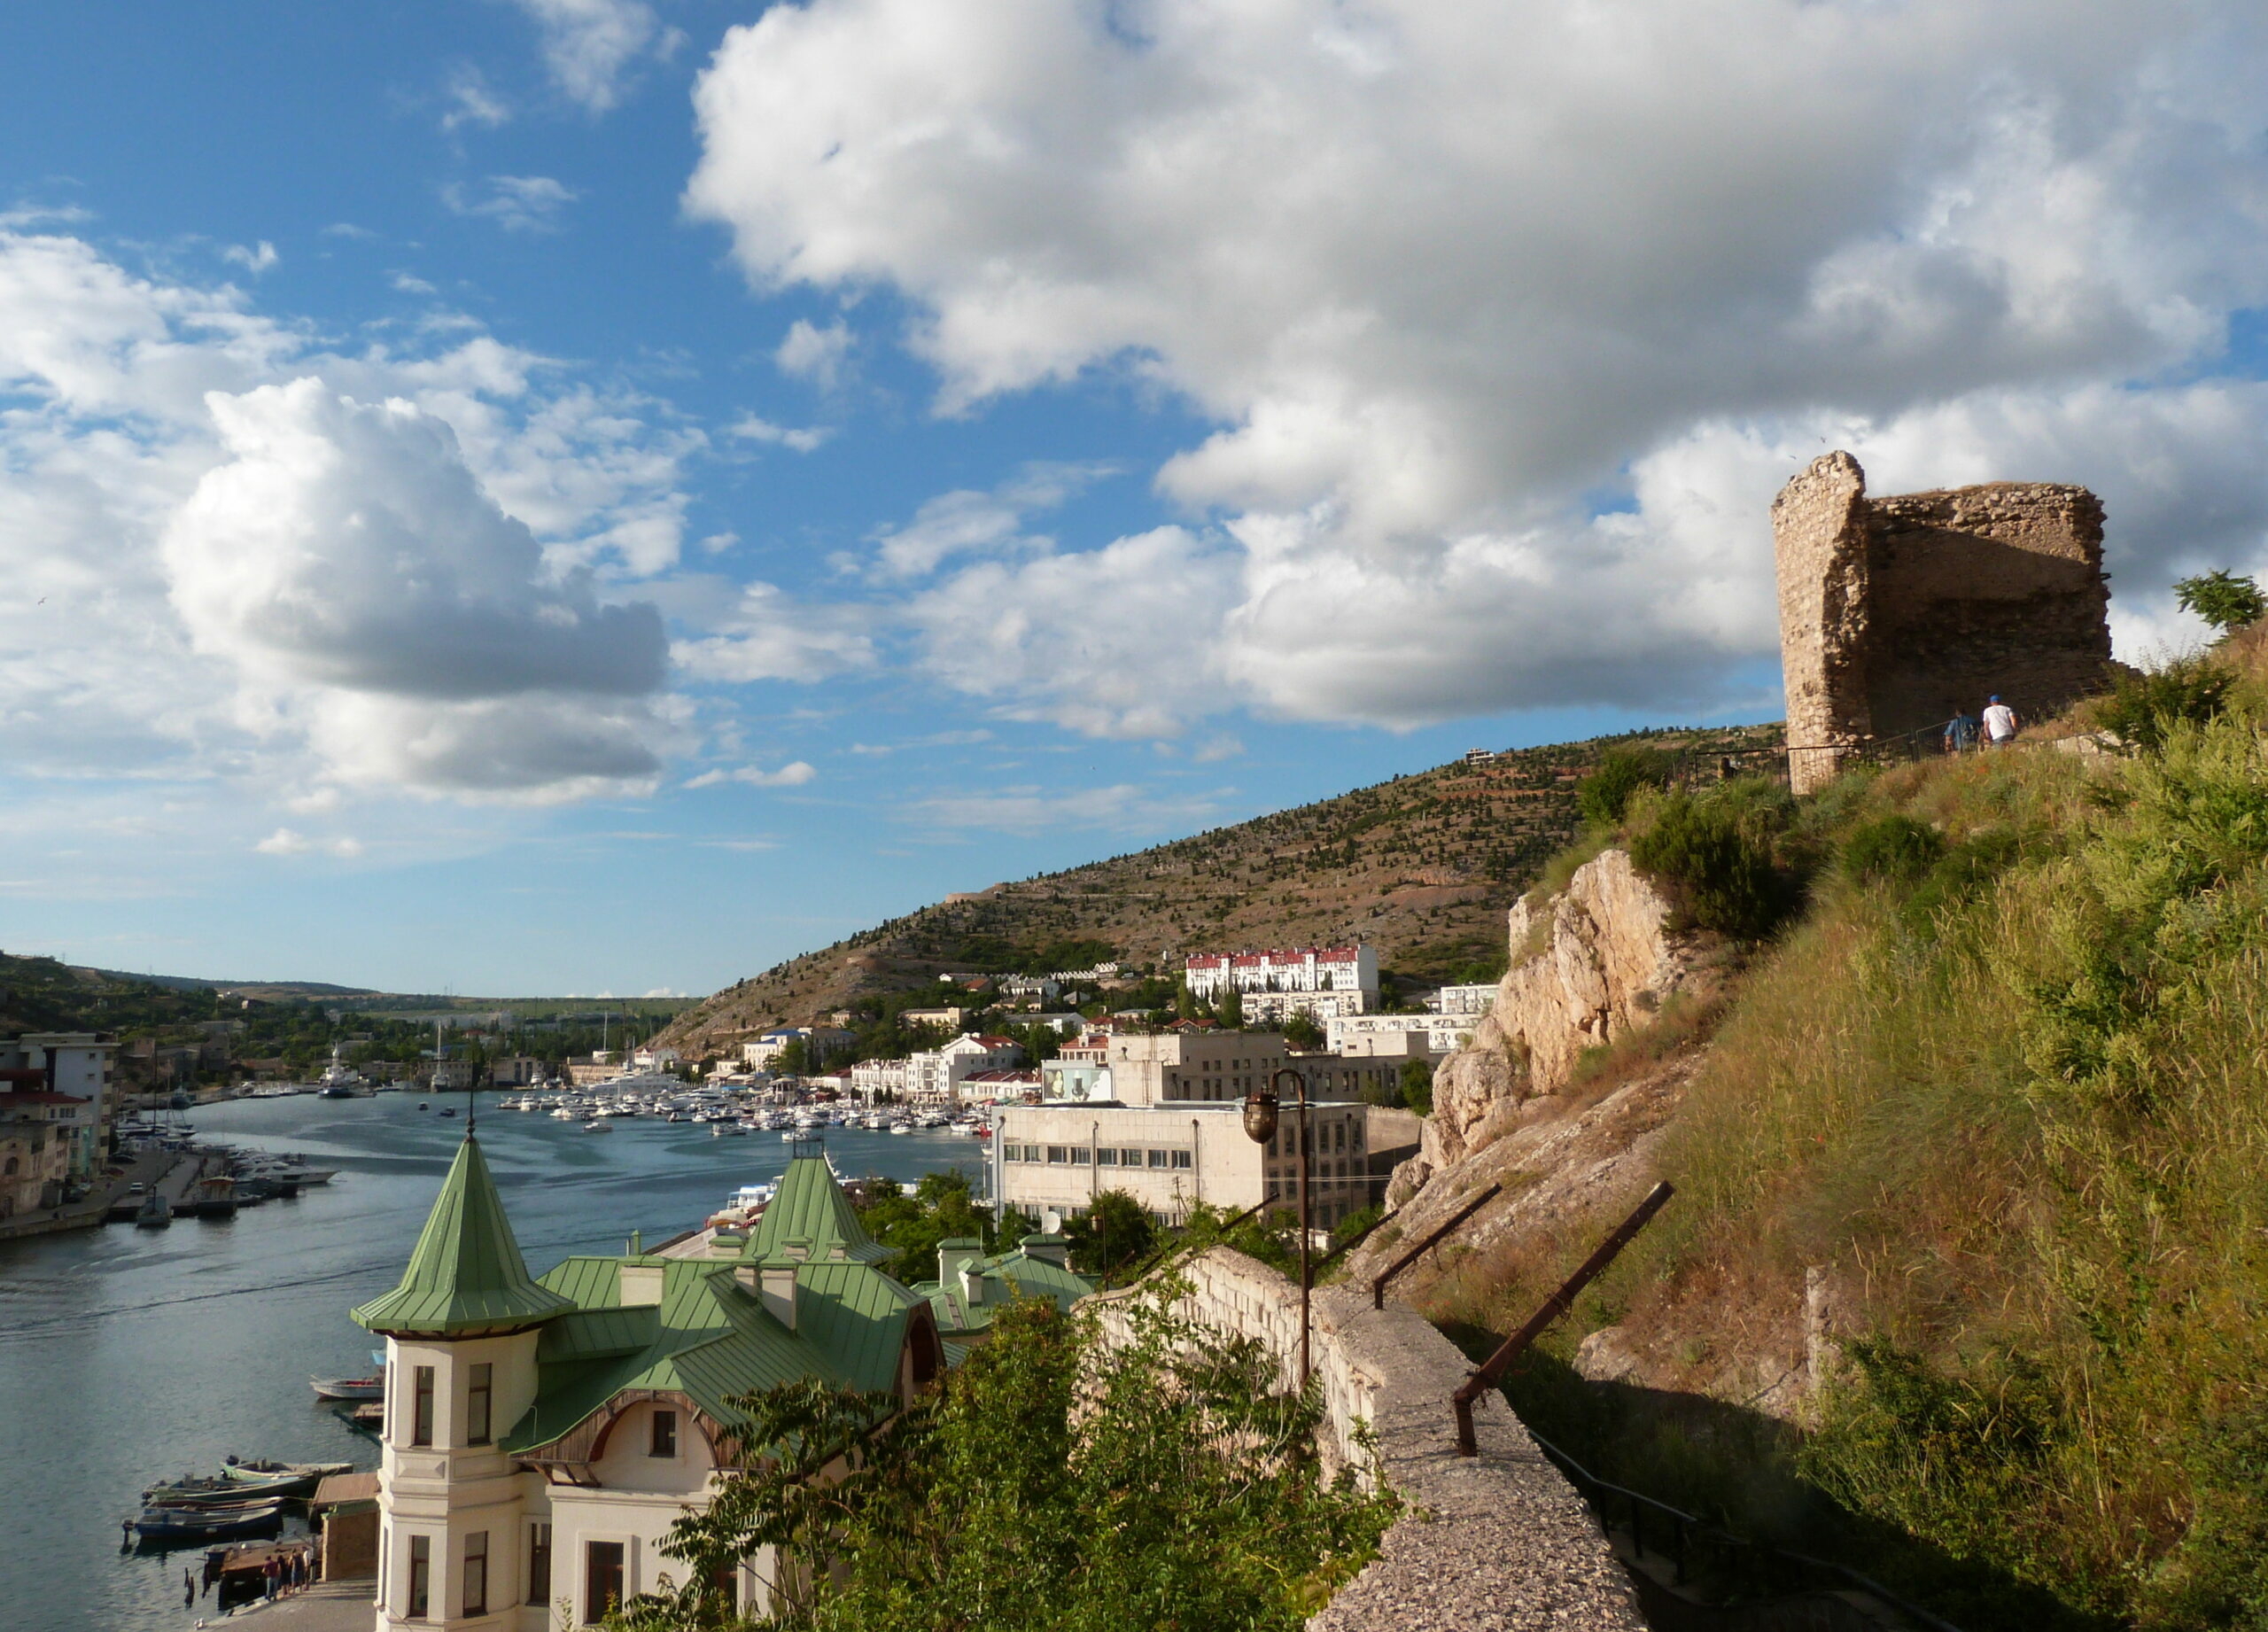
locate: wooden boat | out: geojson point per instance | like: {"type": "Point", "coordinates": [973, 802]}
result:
{"type": "Point", "coordinates": [349, 1387]}
{"type": "Point", "coordinates": [193, 1525]}
{"type": "Point", "coordinates": [199, 1492]}
{"type": "Point", "coordinates": [282, 1478]}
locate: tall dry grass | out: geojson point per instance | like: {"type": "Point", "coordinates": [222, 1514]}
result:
{"type": "Point", "coordinates": [2019, 1108]}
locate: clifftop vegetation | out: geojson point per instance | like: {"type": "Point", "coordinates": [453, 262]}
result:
{"type": "Point", "coordinates": [1424, 868]}
{"type": "Point", "coordinates": [1993, 1105]}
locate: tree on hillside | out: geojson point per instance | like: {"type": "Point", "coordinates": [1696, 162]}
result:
{"type": "Point", "coordinates": [2222, 598]}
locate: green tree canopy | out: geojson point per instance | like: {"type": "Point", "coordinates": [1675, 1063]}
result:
{"type": "Point", "coordinates": [1057, 1484]}
{"type": "Point", "coordinates": [2222, 598]}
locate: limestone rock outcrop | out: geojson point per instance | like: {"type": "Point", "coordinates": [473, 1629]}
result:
{"type": "Point", "coordinates": [1589, 964]}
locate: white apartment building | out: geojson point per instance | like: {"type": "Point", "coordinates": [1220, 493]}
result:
{"type": "Point", "coordinates": [1179, 1067]}
{"type": "Point", "coordinates": [819, 1042]}
{"type": "Point", "coordinates": [1170, 1157]}
{"type": "Point", "coordinates": [1473, 1000]}
{"type": "Point", "coordinates": [1370, 1034]}
{"type": "Point", "coordinates": [76, 1065]}
{"type": "Point", "coordinates": [872, 1078]}
{"type": "Point", "coordinates": [1273, 1008]}
{"type": "Point", "coordinates": [932, 1075]}
{"type": "Point", "coordinates": [1349, 973]}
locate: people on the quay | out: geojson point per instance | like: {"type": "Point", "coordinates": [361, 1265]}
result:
{"type": "Point", "coordinates": [2000, 723]}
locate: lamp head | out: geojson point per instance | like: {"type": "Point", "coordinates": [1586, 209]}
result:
{"type": "Point", "coordinates": [1259, 1116]}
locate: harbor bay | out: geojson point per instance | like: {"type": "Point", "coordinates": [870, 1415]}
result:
{"type": "Point", "coordinates": [129, 1357]}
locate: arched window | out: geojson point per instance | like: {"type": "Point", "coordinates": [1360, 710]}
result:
{"type": "Point", "coordinates": [11, 1167]}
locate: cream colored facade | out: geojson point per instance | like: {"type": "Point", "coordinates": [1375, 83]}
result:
{"type": "Point", "coordinates": [502, 1547]}
{"type": "Point", "coordinates": [1171, 1157]}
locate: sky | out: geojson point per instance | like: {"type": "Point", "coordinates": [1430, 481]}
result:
{"type": "Point", "coordinates": [577, 496]}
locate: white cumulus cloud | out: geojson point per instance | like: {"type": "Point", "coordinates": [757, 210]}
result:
{"type": "Point", "coordinates": [1509, 316]}
{"type": "Point", "coordinates": [237, 557]}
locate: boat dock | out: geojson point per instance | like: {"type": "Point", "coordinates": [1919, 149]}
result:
{"type": "Point", "coordinates": [101, 1203]}
{"type": "Point", "coordinates": [177, 1174]}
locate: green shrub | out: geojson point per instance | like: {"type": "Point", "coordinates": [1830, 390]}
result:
{"type": "Point", "coordinates": [1604, 794]}
{"type": "Point", "coordinates": [1719, 867]}
{"type": "Point", "coordinates": [1892, 850]}
{"type": "Point", "coordinates": [2141, 707]}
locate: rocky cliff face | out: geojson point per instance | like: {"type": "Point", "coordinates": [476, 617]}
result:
{"type": "Point", "coordinates": [1593, 962]}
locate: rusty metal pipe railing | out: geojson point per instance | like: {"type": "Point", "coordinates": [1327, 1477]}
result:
{"type": "Point", "coordinates": [1484, 1376]}
{"type": "Point", "coordinates": [1378, 1287]}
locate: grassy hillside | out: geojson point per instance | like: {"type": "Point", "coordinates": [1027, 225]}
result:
{"type": "Point", "coordinates": [1424, 868]}
{"type": "Point", "coordinates": [2001, 1087]}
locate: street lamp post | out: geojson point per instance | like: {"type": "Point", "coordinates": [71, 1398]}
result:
{"type": "Point", "coordinates": [1260, 1119]}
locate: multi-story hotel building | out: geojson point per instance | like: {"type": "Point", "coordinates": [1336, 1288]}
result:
{"type": "Point", "coordinates": [1336, 980]}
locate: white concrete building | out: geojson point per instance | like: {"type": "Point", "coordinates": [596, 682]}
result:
{"type": "Point", "coordinates": [1370, 1034]}
{"type": "Point", "coordinates": [77, 1066]}
{"type": "Point", "coordinates": [1170, 1157]}
{"type": "Point", "coordinates": [1350, 974]}
{"type": "Point", "coordinates": [1475, 1000]}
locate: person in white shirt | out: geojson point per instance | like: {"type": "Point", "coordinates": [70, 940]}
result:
{"type": "Point", "coordinates": [2000, 723]}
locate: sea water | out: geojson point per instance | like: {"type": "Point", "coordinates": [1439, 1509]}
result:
{"type": "Point", "coordinates": [130, 1355]}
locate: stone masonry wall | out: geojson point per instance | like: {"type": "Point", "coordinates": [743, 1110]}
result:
{"type": "Point", "coordinates": [1500, 1540]}
{"type": "Point", "coordinates": [1897, 613]}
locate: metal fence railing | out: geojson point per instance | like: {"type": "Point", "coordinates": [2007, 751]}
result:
{"type": "Point", "coordinates": [1699, 1551]}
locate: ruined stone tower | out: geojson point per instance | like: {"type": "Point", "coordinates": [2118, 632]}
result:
{"type": "Point", "coordinates": [1897, 613]}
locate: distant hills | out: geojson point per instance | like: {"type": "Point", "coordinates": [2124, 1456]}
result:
{"type": "Point", "coordinates": [1424, 868]}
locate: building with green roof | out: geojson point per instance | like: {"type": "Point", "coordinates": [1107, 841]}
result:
{"type": "Point", "coordinates": [543, 1433]}
{"type": "Point", "coordinates": [972, 1287]}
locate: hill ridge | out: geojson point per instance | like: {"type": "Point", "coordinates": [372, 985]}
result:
{"type": "Point", "coordinates": [1422, 866]}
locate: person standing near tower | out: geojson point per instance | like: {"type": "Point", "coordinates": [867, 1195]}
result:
{"type": "Point", "coordinates": [2000, 723]}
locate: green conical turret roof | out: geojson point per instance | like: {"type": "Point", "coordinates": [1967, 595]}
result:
{"type": "Point", "coordinates": [466, 1276]}
{"type": "Point", "coordinates": [810, 1208]}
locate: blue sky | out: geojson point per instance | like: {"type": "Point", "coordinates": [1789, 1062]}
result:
{"type": "Point", "coordinates": [580, 495]}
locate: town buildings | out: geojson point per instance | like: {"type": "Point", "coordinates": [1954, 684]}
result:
{"type": "Point", "coordinates": [934, 1074]}
{"type": "Point", "coordinates": [1370, 1034]}
{"type": "Point", "coordinates": [1170, 1157]}
{"type": "Point", "coordinates": [1158, 1116]}
{"type": "Point", "coordinates": [819, 1043]}
{"type": "Point", "coordinates": [1320, 981]}
{"type": "Point", "coordinates": [1475, 1000]}
{"type": "Point", "coordinates": [55, 1115]}
{"type": "Point", "coordinates": [541, 1435]}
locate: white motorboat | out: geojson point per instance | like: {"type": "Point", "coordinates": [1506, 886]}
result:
{"type": "Point", "coordinates": [596, 1126]}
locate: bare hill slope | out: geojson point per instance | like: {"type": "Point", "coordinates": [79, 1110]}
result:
{"type": "Point", "coordinates": [1424, 868]}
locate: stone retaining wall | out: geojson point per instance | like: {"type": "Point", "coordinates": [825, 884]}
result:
{"type": "Point", "coordinates": [1496, 1541]}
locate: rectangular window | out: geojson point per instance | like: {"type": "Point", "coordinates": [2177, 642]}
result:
{"type": "Point", "coordinates": [421, 1576]}
{"type": "Point", "coordinates": [421, 1416]}
{"type": "Point", "coordinates": [1157, 1158]}
{"type": "Point", "coordinates": [1181, 1158]}
{"type": "Point", "coordinates": [1079, 1155]}
{"type": "Point", "coordinates": [1337, 1136]}
{"type": "Point", "coordinates": [1059, 1153]}
{"type": "Point", "coordinates": [1130, 1158]}
{"type": "Point", "coordinates": [475, 1572]}
{"type": "Point", "coordinates": [601, 1580]}
{"type": "Point", "coordinates": [539, 1564]}
{"type": "Point", "coordinates": [1106, 1157]}
{"type": "Point", "coordinates": [665, 1440]}
{"type": "Point", "coordinates": [477, 1390]}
